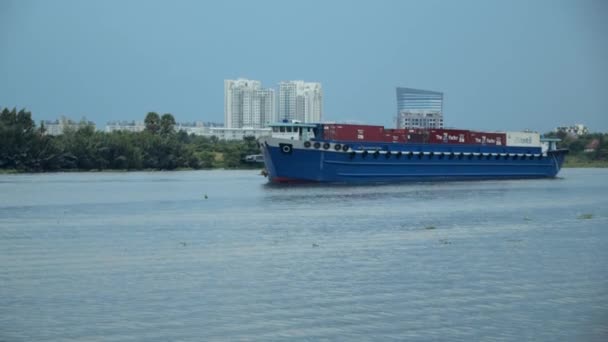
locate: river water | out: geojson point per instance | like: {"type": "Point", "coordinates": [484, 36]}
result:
{"type": "Point", "coordinates": [220, 255]}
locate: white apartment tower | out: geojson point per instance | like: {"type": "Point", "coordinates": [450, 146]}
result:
{"type": "Point", "coordinates": [299, 100]}
{"type": "Point", "coordinates": [247, 104]}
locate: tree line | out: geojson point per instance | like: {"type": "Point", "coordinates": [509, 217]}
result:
{"type": "Point", "coordinates": [25, 147]}
{"type": "Point", "coordinates": [585, 150]}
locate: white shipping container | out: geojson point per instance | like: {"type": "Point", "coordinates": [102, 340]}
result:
{"type": "Point", "coordinates": [524, 139]}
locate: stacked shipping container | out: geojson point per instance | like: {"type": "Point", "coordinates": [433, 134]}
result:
{"type": "Point", "coordinates": [346, 132]}
{"type": "Point", "coordinates": [487, 138]}
{"type": "Point", "coordinates": [353, 132]}
{"type": "Point", "coordinates": [448, 136]}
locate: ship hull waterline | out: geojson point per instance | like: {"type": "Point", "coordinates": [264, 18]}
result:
{"type": "Point", "coordinates": [291, 162]}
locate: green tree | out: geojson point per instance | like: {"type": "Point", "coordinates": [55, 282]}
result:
{"type": "Point", "coordinates": [207, 159]}
{"type": "Point", "coordinates": [25, 147]}
{"type": "Point", "coordinates": [17, 139]}
{"type": "Point", "coordinates": [152, 122]}
{"type": "Point", "coordinates": [232, 157]}
{"type": "Point", "coordinates": [167, 124]}
{"type": "Point", "coordinates": [251, 145]}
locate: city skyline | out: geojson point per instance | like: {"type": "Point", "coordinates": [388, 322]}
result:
{"type": "Point", "coordinates": [502, 65]}
{"type": "Point", "coordinates": [248, 104]}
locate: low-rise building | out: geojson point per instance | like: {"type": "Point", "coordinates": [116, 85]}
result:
{"type": "Point", "coordinates": [206, 129]}
{"type": "Point", "coordinates": [224, 133]}
{"type": "Point", "coordinates": [128, 126]}
{"type": "Point", "coordinates": [197, 127]}
{"type": "Point", "coordinates": [575, 130]}
{"type": "Point", "coordinates": [58, 127]}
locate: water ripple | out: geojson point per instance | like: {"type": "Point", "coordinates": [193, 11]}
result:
{"type": "Point", "coordinates": [144, 256]}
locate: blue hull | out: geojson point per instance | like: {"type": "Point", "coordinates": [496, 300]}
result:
{"type": "Point", "coordinates": [424, 162]}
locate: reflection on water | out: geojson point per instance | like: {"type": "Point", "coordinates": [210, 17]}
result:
{"type": "Point", "coordinates": [145, 256]}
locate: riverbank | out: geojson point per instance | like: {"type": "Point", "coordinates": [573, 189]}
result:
{"type": "Point", "coordinates": [573, 161]}
{"type": "Point", "coordinates": [14, 171]}
{"type": "Point", "coordinates": [567, 165]}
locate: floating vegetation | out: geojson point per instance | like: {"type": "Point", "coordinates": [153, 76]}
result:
{"type": "Point", "coordinates": [315, 245]}
{"type": "Point", "coordinates": [585, 216]}
{"type": "Point", "coordinates": [429, 227]}
{"type": "Point", "coordinates": [445, 242]}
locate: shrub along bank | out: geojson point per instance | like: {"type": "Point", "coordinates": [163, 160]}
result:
{"type": "Point", "coordinates": [24, 147]}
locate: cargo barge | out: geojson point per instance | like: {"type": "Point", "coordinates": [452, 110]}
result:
{"type": "Point", "coordinates": [344, 153]}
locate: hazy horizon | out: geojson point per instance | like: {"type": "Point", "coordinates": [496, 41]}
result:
{"type": "Point", "coordinates": [501, 65]}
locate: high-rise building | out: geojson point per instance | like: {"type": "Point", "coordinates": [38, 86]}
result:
{"type": "Point", "coordinates": [418, 108]}
{"type": "Point", "coordinates": [247, 104]}
{"type": "Point", "coordinates": [299, 100]}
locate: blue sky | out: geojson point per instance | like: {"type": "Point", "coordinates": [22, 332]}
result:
{"type": "Point", "coordinates": [503, 65]}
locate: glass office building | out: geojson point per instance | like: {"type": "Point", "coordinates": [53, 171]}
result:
{"type": "Point", "coordinates": [418, 108]}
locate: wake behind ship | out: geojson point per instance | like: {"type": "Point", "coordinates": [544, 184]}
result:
{"type": "Point", "coordinates": [301, 152]}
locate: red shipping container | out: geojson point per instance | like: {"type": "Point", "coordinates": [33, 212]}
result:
{"type": "Point", "coordinates": [488, 138]}
{"type": "Point", "coordinates": [417, 138]}
{"type": "Point", "coordinates": [402, 130]}
{"type": "Point", "coordinates": [394, 138]}
{"type": "Point", "coordinates": [342, 132]}
{"type": "Point", "coordinates": [448, 136]}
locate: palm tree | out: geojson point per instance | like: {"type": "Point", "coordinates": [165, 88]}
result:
{"type": "Point", "coordinates": [167, 122]}
{"type": "Point", "coordinates": [152, 122]}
